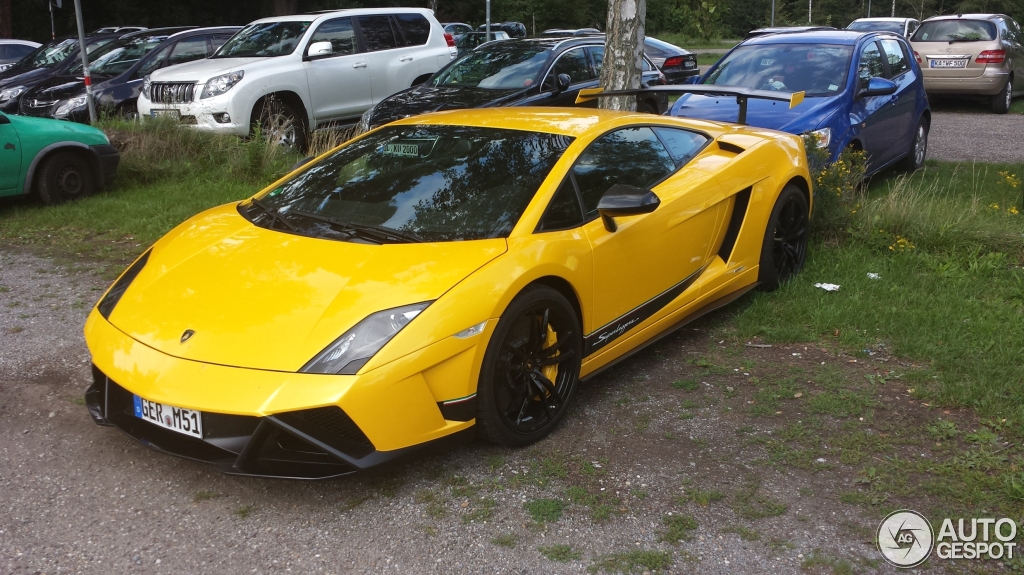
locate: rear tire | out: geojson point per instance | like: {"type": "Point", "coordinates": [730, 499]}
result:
{"type": "Point", "coordinates": [1001, 101]}
{"type": "Point", "coordinates": [918, 148]}
{"type": "Point", "coordinates": [530, 369]}
{"type": "Point", "coordinates": [63, 177]}
{"type": "Point", "coordinates": [784, 249]}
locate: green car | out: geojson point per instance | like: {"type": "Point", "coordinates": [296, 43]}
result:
{"type": "Point", "coordinates": [58, 160]}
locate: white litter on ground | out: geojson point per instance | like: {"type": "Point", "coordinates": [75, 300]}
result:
{"type": "Point", "coordinates": [828, 287]}
{"type": "Point", "coordinates": [874, 276]}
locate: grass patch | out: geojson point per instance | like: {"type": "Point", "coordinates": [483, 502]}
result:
{"type": "Point", "coordinates": [677, 528]}
{"type": "Point", "coordinates": [545, 510]}
{"type": "Point", "coordinates": [745, 533]}
{"type": "Point", "coordinates": [701, 497]}
{"type": "Point", "coordinates": [204, 496]}
{"type": "Point", "coordinates": [560, 552]}
{"type": "Point", "coordinates": [632, 562]}
{"type": "Point", "coordinates": [506, 540]}
{"type": "Point", "coordinates": [752, 504]}
{"type": "Point", "coordinates": [244, 511]}
{"type": "Point", "coordinates": [686, 384]}
{"type": "Point", "coordinates": [694, 44]}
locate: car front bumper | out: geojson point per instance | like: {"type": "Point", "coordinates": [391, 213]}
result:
{"type": "Point", "coordinates": [200, 114]}
{"type": "Point", "coordinates": [108, 158]}
{"type": "Point", "coordinates": [988, 84]}
{"type": "Point", "coordinates": [280, 424]}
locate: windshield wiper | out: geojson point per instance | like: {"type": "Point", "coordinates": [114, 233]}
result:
{"type": "Point", "coordinates": [275, 214]}
{"type": "Point", "coordinates": [380, 234]}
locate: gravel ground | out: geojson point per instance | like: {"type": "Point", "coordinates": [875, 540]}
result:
{"type": "Point", "coordinates": [77, 498]}
{"type": "Point", "coordinates": [967, 137]}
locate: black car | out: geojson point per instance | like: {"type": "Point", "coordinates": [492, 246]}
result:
{"type": "Point", "coordinates": [513, 29]}
{"type": "Point", "coordinates": [50, 59]}
{"type": "Point", "coordinates": [534, 72]}
{"type": "Point", "coordinates": [470, 40]}
{"type": "Point", "coordinates": [676, 63]}
{"type": "Point", "coordinates": [117, 71]}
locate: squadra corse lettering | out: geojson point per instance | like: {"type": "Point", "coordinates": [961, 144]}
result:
{"type": "Point", "coordinates": [976, 542]}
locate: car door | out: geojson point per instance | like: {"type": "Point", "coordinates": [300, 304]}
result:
{"type": "Point", "coordinates": [1015, 53]}
{"type": "Point", "coordinates": [392, 65]}
{"type": "Point", "coordinates": [651, 258]}
{"type": "Point", "coordinates": [904, 102]}
{"type": "Point", "coordinates": [872, 114]}
{"type": "Point", "coordinates": [413, 31]}
{"type": "Point", "coordinates": [575, 63]}
{"type": "Point", "coordinates": [339, 84]}
{"type": "Point", "coordinates": [10, 156]}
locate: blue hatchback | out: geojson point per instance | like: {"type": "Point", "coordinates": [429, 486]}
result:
{"type": "Point", "coordinates": [862, 90]}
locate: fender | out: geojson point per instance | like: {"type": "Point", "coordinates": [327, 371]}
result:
{"type": "Point", "coordinates": [93, 156]}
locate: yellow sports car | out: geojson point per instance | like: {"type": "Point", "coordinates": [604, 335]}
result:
{"type": "Point", "coordinates": [440, 275]}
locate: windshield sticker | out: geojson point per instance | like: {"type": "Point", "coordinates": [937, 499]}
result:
{"type": "Point", "coordinates": [832, 87]}
{"type": "Point", "coordinates": [767, 61]}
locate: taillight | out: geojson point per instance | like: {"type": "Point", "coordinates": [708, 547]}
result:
{"type": "Point", "coordinates": [991, 57]}
{"type": "Point", "coordinates": [918, 56]}
{"type": "Point", "coordinates": [673, 62]}
{"type": "Point", "coordinates": [450, 39]}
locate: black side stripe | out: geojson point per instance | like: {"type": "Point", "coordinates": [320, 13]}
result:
{"type": "Point", "coordinates": [621, 326]}
{"type": "Point", "coordinates": [739, 212]}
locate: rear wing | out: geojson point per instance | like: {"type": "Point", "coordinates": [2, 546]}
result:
{"type": "Point", "coordinates": [741, 94]}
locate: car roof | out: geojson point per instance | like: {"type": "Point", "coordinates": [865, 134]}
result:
{"type": "Point", "coordinates": [882, 19]}
{"type": "Point", "coordinates": [157, 31]}
{"type": "Point", "coordinates": [849, 37]}
{"type": "Point", "coordinates": [965, 17]}
{"type": "Point", "coordinates": [206, 30]}
{"type": "Point", "coordinates": [22, 42]}
{"type": "Point", "coordinates": [311, 16]}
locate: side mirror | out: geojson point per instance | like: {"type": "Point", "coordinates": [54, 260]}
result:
{"type": "Point", "coordinates": [692, 79]}
{"type": "Point", "coordinates": [877, 87]}
{"type": "Point", "coordinates": [319, 50]}
{"type": "Point", "coordinates": [624, 200]}
{"type": "Point", "coordinates": [562, 82]}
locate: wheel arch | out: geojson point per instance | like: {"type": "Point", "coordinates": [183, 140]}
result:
{"type": "Point", "coordinates": [562, 286]}
{"type": "Point", "coordinates": [801, 183]}
{"type": "Point", "coordinates": [420, 79]}
{"type": "Point", "coordinates": [82, 150]}
{"type": "Point", "coordinates": [288, 97]}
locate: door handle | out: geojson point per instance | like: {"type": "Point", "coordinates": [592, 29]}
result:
{"type": "Point", "coordinates": [405, 59]}
{"type": "Point", "coordinates": [8, 146]}
{"type": "Point", "coordinates": [359, 65]}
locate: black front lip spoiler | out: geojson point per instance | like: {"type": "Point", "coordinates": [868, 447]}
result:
{"type": "Point", "coordinates": [253, 446]}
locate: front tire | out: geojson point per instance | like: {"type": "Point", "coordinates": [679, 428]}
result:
{"type": "Point", "coordinates": [530, 369]}
{"type": "Point", "coordinates": [918, 148]}
{"type": "Point", "coordinates": [784, 249]}
{"type": "Point", "coordinates": [64, 176]}
{"type": "Point", "coordinates": [280, 124]}
{"type": "Point", "coordinates": [1001, 102]}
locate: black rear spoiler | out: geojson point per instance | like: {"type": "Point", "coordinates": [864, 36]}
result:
{"type": "Point", "coordinates": [741, 95]}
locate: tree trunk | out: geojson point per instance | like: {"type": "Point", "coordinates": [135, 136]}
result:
{"type": "Point", "coordinates": [285, 7]}
{"type": "Point", "coordinates": [5, 19]}
{"type": "Point", "coordinates": [623, 51]}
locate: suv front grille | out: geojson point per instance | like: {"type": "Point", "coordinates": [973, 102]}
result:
{"type": "Point", "coordinates": [172, 92]}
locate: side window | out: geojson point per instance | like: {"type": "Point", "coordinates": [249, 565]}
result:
{"type": "Point", "coordinates": [683, 145]}
{"type": "Point", "coordinates": [340, 34]}
{"type": "Point", "coordinates": [896, 57]}
{"type": "Point", "coordinates": [377, 33]}
{"type": "Point", "coordinates": [574, 63]}
{"type": "Point", "coordinates": [871, 64]}
{"type": "Point", "coordinates": [596, 56]}
{"type": "Point", "coordinates": [188, 50]}
{"type": "Point", "coordinates": [631, 156]}
{"type": "Point", "coordinates": [415, 28]}
{"type": "Point", "coordinates": [217, 40]}
{"type": "Point", "coordinates": [154, 63]}
{"type": "Point", "coordinates": [564, 211]}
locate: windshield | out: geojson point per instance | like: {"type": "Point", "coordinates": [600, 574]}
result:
{"type": "Point", "coordinates": [495, 68]}
{"type": "Point", "coordinates": [817, 69]}
{"type": "Point", "coordinates": [955, 31]}
{"type": "Point", "coordinates": [896, 27]}
{"type": "Point", "coordinates": [264, 39]}
{"type": "Point", "coordinates": [115, 58]}
{"type": "Point", "coordinates": [431, 183]}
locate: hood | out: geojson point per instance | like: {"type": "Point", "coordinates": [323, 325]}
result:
{"type": "Point", "coordinates": [62, 87]}
{"type": "Point", "coordinates": [265, 299]}
{"type": "Point", "coordinates": [761, 113]}
{"type": "Point", "coordinates": [19, 77]}
{"type": "Point", "coordinates": [203, 70]}
{"type": "Point", "coordinates": [424, 99]}
{"type": "Point", "coordinates": [57, 130]}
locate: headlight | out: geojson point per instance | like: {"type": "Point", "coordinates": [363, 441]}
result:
{"type": "Point", "coordinates": [355, 347]}
{"type": "Point", "coordinates": [145, 87]}
{"type": "Point", "coordinates": [364, 121]}
{"type": "Point", "coordinates": [822, 136]}
{"type": "Point", "coordinates": [68, 106]}
{"type": "Point", "coordinates": [117, 290]}
{"type": "Point", "coordinates": [11, 93]}
{"type": "Point", "coordinates": [220, 84]}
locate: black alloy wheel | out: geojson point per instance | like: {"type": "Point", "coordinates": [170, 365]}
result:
{"type": "Point", "coordinates": [784, 250]}
{"type": "Point", "coordinates": [530, 369]}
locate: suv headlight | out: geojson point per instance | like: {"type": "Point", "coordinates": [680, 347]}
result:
{"type": "Point", "coordinates": [11, 93]}
{"type": "Point", "coordinates": [219, 84]}
{"type": "Point", "coordinates": [68, 106]}
{"type": "Point", "coordinates": [356, 346]}
{"type": "Point", "coordinates": [823, 136]}
{"type": "Point", "coordinates": [364, 121]}
{"type": "Point", "coordinates": [145, 87]}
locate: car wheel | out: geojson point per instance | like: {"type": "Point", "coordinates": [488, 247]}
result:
{"type": "Point", "coordinates": [530, 368]}
{"type": "Point", "coordinates": [64, 176]}
{"type": "Point", "coordinates": [785, 240]}
{"type": "Point", "coordinates": [918, 148]}
{"type": "Point", "coordinates": [280, 124]}
{"type": "Point", "coordinates": [1001, 101]}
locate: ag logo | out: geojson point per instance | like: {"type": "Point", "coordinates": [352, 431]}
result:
{"type": "Point", "coordinates": [905, 538]}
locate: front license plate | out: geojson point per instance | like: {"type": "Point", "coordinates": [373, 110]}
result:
{"type": "Point", "coordinates": [186, 421]}
{"type": "Point", "coordinates": [958, 63]}
{"type": "Point", "coordinates": [170, 113]}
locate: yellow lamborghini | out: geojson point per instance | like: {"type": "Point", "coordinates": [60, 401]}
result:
{"type": "Point", "coordinates": [452, 273]}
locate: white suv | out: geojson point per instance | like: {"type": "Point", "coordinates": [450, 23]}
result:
{"type": "Point", "coordinates": [292, 73]}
